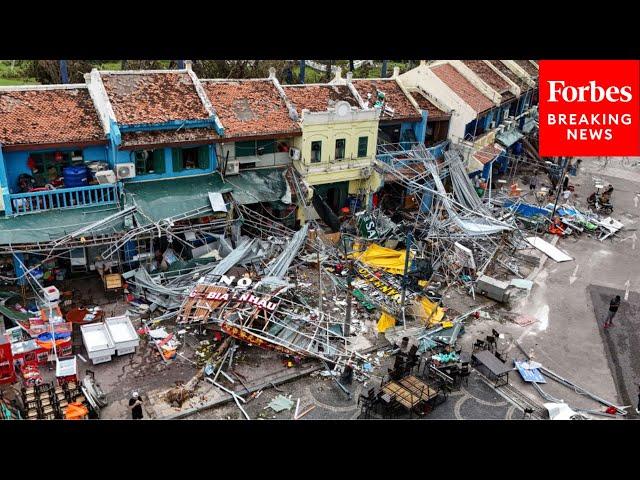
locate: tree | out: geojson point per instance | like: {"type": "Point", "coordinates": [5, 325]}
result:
{"type": "Point", "coordinates": [48, 71]}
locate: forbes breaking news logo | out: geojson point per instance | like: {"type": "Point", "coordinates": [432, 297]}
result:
{"type": "Point", "coordinates": [589, 108]}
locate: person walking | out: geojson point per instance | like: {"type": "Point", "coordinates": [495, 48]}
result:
{"type": "Point", "coordinates": [135, 404]}
{"type": "Point", "coordinates": [613, 309]}
{"type": "Point", "coordinates": [533, 181]}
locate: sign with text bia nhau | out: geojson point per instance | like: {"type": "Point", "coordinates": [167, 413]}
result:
{"type": "Point", "coordinates": [589, 108]}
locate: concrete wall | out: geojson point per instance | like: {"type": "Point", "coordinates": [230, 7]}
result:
{"type": "Point", "coordinates": [328, 132]}
{"type": "Point", "coordinates": [424, 78]}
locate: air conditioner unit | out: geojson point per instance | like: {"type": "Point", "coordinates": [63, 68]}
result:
{"type": "Point", "coordinates": [294, 153]}
{"type": "Point", "coordinates": [126, 170]}
{"type": "Point", "coordinates": [233, 168]}
{"type": "Point", "coordinates": [106, 176]}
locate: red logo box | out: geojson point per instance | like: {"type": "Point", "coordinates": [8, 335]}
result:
{"type": "Point", "coordinates": [589, 108]}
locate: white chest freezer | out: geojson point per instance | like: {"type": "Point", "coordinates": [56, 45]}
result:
{"type": "Point", "coordinates": [123, 334]}
{"type": "Point", "coordinates": [98, 343]}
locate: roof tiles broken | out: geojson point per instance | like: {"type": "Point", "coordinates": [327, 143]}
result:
{"type": "Point", "coordinates": [433, 111]}
{"type": "Point", "coordinates": [149, 98]}
{"type": "Point", "coordinates": [50, 115]}
{"type": "Point", "coordinates": [528, 67]}
{"type": "Point", "coordinates": [394, 97]}
{"type": "Point", "coordinates": [318, 98]}
{"type": "Point", "coordinates": [487, 153]}
{"type": "Point", "coordinates": [250, 108]}
{"type": "Point", "coordinates": [462, 87]}
{"type": "Point", "coordinates": [182, 137]}
{"type": "Point", "coordinates": [487, 75]}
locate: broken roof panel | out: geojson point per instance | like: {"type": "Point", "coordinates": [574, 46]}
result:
{"type": "Point", "coordinates": [155, 97]}
{"type": "Point", "coordinates": [394, 97]}
{"type": "Point", "coordinates": [462, 87]}
{"type": "Point", "coordinates": [249, 108]}
{"type": "Point", "coordinates": [487, 75]}
{"type": "Point", "coordinates": [433, 111]}
{"type": "Point", "coordinates": [182, 137]}
{"type": "Point", "coordinates": [318, 98]}
{"type": "Point", "coordinates": [45, 116]}
{"type": "Point", "coordinates": [254, 186]}
{"type": "Point", "coordinates": [508, 73]}
{"type": "Point", "coordinates": [487, 153]}
{"type": "Point", "coordinates": [528, 67]}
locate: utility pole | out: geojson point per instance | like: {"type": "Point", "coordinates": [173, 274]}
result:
{"type": "Point", "coordinates": [64, 72]}
{"type": "Point", "coordinates": [408, 238]}
{"type": "Point", "coordinates": [560, 182]}
{"type": "Point", "coordinates": [301, 75]}
{"type": "Point", "coordinates": [351, 67]}
{"type": "Point", "coordinates": [347, 320]}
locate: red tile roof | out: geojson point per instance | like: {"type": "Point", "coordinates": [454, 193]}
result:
{"type": "Point", "coordinates": [184, 136]}
{"type": "Point", "coordinates": [52, 116]}
{"type": "Point", "coordinates": [507, 97]}
{"type": "Point", "coordinates": [507, 72]}
{"type": "Point", "coordinates": [462, 87]}
{"type": "Point", "coordinates": [487, 153]}
{"type": "Point", "coordinates": [528, 67]}
{"type": "Point", "coordinates": [318, 98]}
{"type": "Point", "coordinates": [153, 97]}
{"type": "Point", "coordinates": [485, 72]}
{"type": "Point", "coordinates": [433, 111]}
{"type": "Point", "coordinates": [393, 95]}
{"type": "Point", "coordinates": [250, 108]}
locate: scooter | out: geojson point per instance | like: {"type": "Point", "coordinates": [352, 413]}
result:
{"type": "Point", "coordinates": [598, 206]}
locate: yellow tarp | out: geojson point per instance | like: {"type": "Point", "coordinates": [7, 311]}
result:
{"type": "Point", "coordinates": [386, 321]}
{"type": "Point", "coordinates": [383, 258]}
{"type": "Point", "coordinates": [432, 312]}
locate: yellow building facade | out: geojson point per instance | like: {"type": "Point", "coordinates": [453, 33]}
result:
{"type": "Point", "coordinates": [337, 150]}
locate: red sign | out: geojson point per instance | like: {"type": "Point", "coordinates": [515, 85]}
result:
{"type": "Point", "coordinates": [241, 334]}
{"type": "Point", "coordinates": [589, 108]}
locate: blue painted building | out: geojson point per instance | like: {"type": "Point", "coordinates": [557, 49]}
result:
{"type": "Point", "coordinates": [48, 136]}
{"type": "Point", "coordinates": [161, 123]}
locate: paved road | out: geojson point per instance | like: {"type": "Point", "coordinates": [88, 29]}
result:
{"type": "Point", "coordinates": [474, 401]}
{"type": "Point", "coordinates": [568, 339]}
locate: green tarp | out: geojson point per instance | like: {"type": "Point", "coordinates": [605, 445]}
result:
{"type": "Point", "coordinates": [47, 226]}
{"type": "Point", "coordinates": [254, 186]}
{"type": "Point", "coordinates": [167, 198]}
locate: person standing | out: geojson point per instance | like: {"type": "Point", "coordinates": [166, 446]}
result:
{"type": "Point", "coordinates": [613, 309]}
{"type": "Point", "coordinates": [533, 181]}
{"type": "Point", "coordinates": [135, 404]}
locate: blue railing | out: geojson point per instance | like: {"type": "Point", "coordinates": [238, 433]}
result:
{"type": "Point", "coordinates": [62, 198]}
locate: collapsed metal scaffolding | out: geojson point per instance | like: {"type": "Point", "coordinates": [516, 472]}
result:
{"type": "Point", "coordinates": [449, 223]}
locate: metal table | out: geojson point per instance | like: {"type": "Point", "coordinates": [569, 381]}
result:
{"type": "Point", "coordinates": [490, 366]}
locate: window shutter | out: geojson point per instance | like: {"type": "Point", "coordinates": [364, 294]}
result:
{"type": "Point", "coordinates": [176, 159]}
{"type": "Point", "coordinates": [158, 161]}
{"type": "Point", "coordinates": [203, 157]}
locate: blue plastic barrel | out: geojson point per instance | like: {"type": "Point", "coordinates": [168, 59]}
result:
{"type": "Point", "coordinates": [75, 176]}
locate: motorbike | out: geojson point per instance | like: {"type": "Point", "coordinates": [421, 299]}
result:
{"type": "Point", "coordinates": [597, 205]}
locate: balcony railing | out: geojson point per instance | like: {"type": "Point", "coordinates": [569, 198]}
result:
{"type": "Point", "coordinates": [62, 198]}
